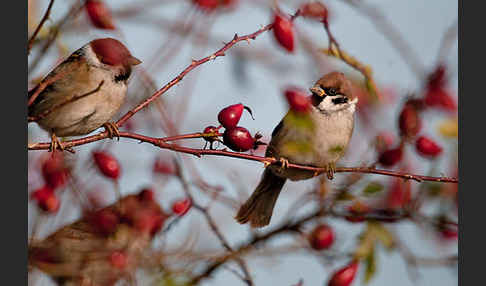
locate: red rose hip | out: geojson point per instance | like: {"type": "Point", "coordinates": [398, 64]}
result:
{"type": "Point", "coordinates": [314, 10]}
{"type": "Point", "coordinates": [298, 100]}
{"type": "Point", "coordinates": [427, 147]}
{"type": "Point", "coordinates": [344, 276]}
{"type": "Point", "coordinates": [181, 207]}
{"type": "Point", "coordinates": [230, 116]}
{"type": "Point", "coordinates": [409, 121]}
{"type": "Point", "coordinates": [238, 139]}
{"type": "Point", "coordinates": [391, 157]}
{"type": "Point", "coordinates": [284, 31]}
{"type": "Point", "coordinates": [99, 14]}
{"type": "Point", "coordinates": [322, 237]}
{"type": "Point", "coordinates": [107, 164]}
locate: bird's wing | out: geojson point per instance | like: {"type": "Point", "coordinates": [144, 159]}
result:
{"type": "Point", "coordinates": [58, 86]}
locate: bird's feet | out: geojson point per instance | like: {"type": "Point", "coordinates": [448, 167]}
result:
{"type": "Point", "coordinates": [331, 168]}
{"type": "Point", "coordinates": [284, 162]}
{"type": "Point", "coordinates": [55, 143]}
{"type": "Point", "coordinates": [112, 130]}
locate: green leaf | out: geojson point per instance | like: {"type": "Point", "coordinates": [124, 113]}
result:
{"type": "Point", "coordinates": [370, 268]}
{"type": "Point", "coordinates": [372, 188]}
{"type": "Point", "coordinates": [366, 244]}
{"type": "Point", "coordinates": [383, 235]}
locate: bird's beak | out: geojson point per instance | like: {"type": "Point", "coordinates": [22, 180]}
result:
{"type": "Point", "coordinates": [317, 90]}
{"type": "Point", "coordinates": [133, 61]}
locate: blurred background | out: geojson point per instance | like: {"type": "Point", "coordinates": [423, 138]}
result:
{"type": "Point", "coordinates": [403, 42]}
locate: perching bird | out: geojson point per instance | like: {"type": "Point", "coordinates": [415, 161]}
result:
{"type": "Point", "coordinates": [83, 92]}
{"type": "Point", "coordinates": [321, 143]}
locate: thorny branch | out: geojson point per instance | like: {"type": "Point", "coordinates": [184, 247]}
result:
{"type": "Point", "coordinates": [162, 143]}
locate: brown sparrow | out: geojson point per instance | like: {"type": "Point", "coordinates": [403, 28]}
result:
{"type": "Point", "coordinates": [83, 92]}
{"type": "Point", "coordinates": [331, 117]}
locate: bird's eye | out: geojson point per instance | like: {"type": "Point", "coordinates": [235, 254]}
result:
{"type": "Point", "coordinates": [330, 91]}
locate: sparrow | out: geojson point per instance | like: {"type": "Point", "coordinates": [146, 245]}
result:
{"type": "Point", "coordinates": [85, 251]}
{"type": "Point", "coordinates": [84, 91]}
{"type": "Point", "coordinates": [321, 142]}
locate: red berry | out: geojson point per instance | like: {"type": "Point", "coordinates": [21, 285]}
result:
{"type": "Point", "coordinates": [437, 78]}
{"type": "Point", "coordinates": [315, 10]}
{"type": "Point", "coordinates": [321, 237]}
{"type": "Point", "coordinates": [427, 147]}
{"type": "Point", "coordinates": [230, 116]}
{"type": "Point", "coordinates": [409, 121]}
{"type": "Point", "coordinates": [207, 5]}
{"type": "Point", "coordinates": [357, 210]}
{"type": "Point", "coordinates": [449, 233]}
{"type": "Point", "coordinates": [181, 207]}
{"type": "Point", "coordinates": [399, 195]}
{"type": "Point", "coordinates": [238, 139]}
{"type": "Point", "coordinates": [446, 230]}
{"type": "Point", "coordinates": [41, 193]}
{"type": "Point", "coordinates": [390, 157]}
{"type": "Point", "coordinates": [107, 164]}
{"type": "Point", "coordinates": [146, 195]}
{"type": "Point", "coordinates": [54, 171]}
{"type": "Point", "coordinates": [164, 165]}
{"type": "Point", "coordinates": [228, 3]}
{"type": "Point", "coordinates": [99, 14]}
{"type": "Point", "coordinates": [344, 276]}
{"type": "Point", "coordinates": [284, 31]}
{"type": "Point", "coordinates": [298, 100]}
{"type": "Point", "coordinates": [118, 259]}
{"type": "Point", "coordinates": [384, 141]}
{"type": "Point", "coordinates": [211, 130]}
{"type": "Point", "coordinates": [46, 199]}
{"type": "Point", "coordinates": [440, 98]}
{"type": "Point", "coordinates": [105, 221]}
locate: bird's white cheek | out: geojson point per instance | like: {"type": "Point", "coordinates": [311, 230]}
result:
{"type": "Point", "coordinates": [327, 104]}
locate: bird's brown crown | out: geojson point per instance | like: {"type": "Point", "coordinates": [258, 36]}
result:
{"type": "Point", "coordinates": [336, 81]}
{"type": "Point", "coordinates": [112, 52]}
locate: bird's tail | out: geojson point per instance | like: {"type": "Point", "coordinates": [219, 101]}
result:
{"type": "Point", "coordinates": [258, 208]}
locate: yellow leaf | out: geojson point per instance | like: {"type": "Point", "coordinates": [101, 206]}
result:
{"type": "Point", "coordinates": [449, 128]}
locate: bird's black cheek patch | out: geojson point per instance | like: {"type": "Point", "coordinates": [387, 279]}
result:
{"type": "Point", "coordinates": [340, 100]}
{"type": "Point", "coordinates": [316, 99]}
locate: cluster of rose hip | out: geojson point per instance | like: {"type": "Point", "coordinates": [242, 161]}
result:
{"type": "Point", "coordinates": [235, 137]}
{"type": "Point", "coordinates": [436, 96]}
{"type": "Point", "coordinates": [56, 173]}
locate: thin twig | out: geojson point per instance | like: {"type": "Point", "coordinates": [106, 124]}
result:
{"type": "Point", "coordinates": [75, 9]}
{"type": "Point", "coordinates": [37, 30]}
